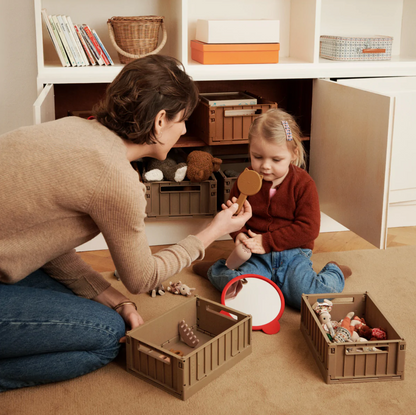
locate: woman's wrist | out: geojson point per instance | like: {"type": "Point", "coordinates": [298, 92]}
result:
{"type": "Point", "coordinates": [123, 303]}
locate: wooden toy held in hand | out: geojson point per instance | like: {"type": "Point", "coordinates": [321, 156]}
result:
{"type": "Point", "coordinates": [248, 183]}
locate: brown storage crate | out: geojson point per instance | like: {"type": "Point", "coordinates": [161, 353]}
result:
{"type": "Point", "coordinates": [223, 342]}
{"type": "Point", "coordinates": [226, 124]}
{"type": "Point", "coordinates": [349, 362]}
{"type": "Point", "coordinates": [173, 199]}
{"type": "Point", "coordinates": [225, 183]}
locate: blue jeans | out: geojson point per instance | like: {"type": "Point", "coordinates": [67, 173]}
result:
{"type": "Point", "coordinates": [48, 334]}
{"type": "Point", "coordinates": [290, 270]}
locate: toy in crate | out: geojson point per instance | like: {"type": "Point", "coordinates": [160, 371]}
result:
{"type": "Point", "coordinates": [356, 48]}
{"type": "Point", "coordinates": [351, 339]}
{"type": "Point", "coordinates": [184, 349]}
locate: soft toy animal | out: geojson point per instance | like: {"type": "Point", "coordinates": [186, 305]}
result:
{"type": "Point", "coordinates": [173, 168]}
{"type": "Point", "coordinates": [372, 334]}
{"type": "Point", "coordinates": [323, 309]}
{"type": "Point", "coordinates": [346, 333]}
{"type": "Point", "coordinates": [201, 165]}
{"type": "Point", "coordinates": [179, 288]}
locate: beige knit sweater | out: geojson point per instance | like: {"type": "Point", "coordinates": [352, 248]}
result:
{"type": "Point", "coordinates": [61, 184]}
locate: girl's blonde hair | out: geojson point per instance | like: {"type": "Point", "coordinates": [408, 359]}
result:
{"type": "Point", "coordinates": [269, 126]}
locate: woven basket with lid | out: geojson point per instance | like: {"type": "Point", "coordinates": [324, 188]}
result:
{"type": "Point", "coordinates": [136, 36]}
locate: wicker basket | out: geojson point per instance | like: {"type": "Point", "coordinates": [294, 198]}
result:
{"type": "Point", "coordinates": [136, 36]}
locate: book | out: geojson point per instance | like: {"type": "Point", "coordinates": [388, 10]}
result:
{"type": "Point", "coordinates": [77, 42]}
{"type": "Point", "coordinates": [55, 40]}
{"type": "Point", "coordinates": [222, 99]}
{"type": "Point", "coordinates": [64, 40]}
{"type": "Point", "coordinates": [87, 50]}
{"type": "Point", "coordinates": [70, 40]}
{"type": "Point", "coordinates": [91, 46]}
{"type": "Point", "coordinates": [102, 47]}
{"type": "Point", "coordinates": [95, 43]}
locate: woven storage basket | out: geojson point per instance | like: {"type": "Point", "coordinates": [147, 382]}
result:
{"type": "Point", "coordinates": [136, 36]}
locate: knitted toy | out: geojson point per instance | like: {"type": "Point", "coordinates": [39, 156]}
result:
{"type": "Point", "coordinates": [173, 168]}
{"type": "Point", "coordinates": [179, 288]}
{"type": "Point", "coordinates": [372, 334]}
{"type": "Point", "coordinates": [346, 333]}
{"type": "Point", "coordinates": [158, 290]}
{"type": "Point", "coordinates": [201, 165]}
{"type": "Point", "coordinates": [323, 309]}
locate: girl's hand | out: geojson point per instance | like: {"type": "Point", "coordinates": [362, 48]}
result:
{"type": "Point", "coordinates": [225, 222]}
{"type": "Point", "coordinates": [254, 243]}
{"type": "Point", "coordinates": [240, 238]}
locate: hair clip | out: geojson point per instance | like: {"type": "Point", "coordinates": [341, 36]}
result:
{"type": "Point", "coordinates": [288, 131]}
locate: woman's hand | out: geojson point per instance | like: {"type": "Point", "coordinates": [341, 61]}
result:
{"type": "Point", "coordinates": [111, 297]}
{"type": "Point", "coordinates": [225, 222]}
{"type": "Point", "coordinates": [131, 317]}
{"type": "Point", "coordinates": [254, 243]}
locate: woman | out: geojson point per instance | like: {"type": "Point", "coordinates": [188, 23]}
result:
{"type": "Point", "coordinates": [62, 184]}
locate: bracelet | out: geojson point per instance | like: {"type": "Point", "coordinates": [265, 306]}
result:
{"type": "Point", "coordinates": [123, 304]}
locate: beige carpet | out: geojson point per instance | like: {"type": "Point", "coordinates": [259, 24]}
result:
{"type": "Point", "coordinates": [279, 377]}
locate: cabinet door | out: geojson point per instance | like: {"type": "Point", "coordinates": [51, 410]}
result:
{"type": "Point", "coordinates": [44, 106]}
{"type": "Point", "coordinates": [350, 157]}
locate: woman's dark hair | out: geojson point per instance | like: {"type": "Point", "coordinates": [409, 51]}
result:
{"type": "Point", "coordinates": [143, 88]}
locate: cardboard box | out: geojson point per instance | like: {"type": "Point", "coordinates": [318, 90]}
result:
{"type": "Point", "coordinates": [356, 48]}
{"type": "Point", "coordinates": [178, 199]}
{"type": "Point", "coordinates": [223, 342]}
{"type": "Point", "coordinates": [238, 31]}
{"type": "Point", "coordinates": [243, 53]}
{"type": "Point", "coordinates": [352, 362]}
{"type": "Point", "coordinates": [217, 125]}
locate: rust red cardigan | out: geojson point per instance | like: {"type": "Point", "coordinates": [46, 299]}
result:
{"type": "Point", "coordinates": [291, 218]}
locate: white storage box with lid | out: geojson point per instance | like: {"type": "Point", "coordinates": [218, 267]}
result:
{"type": "Point", "coordinates": [237, 31]}
{"type": "Point", "coordinates": [356, 48]}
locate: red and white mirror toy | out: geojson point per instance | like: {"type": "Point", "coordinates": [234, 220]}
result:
{"type": "Point", "coordinates": [258, 296]}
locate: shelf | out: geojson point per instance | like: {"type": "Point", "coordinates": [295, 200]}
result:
{"type": "Point", "coordinates": [302, 22]}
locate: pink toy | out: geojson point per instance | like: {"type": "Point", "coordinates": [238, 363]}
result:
{"type": "Point", "coordinates": [179, 288]}
{"type": "Point", "coordinates": [238, 256]}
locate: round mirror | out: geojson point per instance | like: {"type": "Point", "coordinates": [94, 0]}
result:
{"type": "Point", "coordinates": [258, 296]}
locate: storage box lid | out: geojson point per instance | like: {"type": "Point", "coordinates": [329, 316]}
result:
{"type": "Point", "coordinates": [234, 47]}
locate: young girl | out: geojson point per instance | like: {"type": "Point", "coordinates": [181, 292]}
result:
{"type": "Point", "coordinates": [286, 217]}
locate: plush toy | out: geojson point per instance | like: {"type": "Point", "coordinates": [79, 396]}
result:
{"type": "Point", "coordinates": [346, 333]}
{"type": "Point", "coordinates": [158, 290]}
{"type": "Point", "coordinates": [173, 168]}
{"type": "Point", "coordinates": [201, 165]}
{"type": "Point", "coordinates": [179, 288]}
{"type": "Point", "coordinates": [323, 309]}
{"type": "Point", "coordinates": [372, 334]}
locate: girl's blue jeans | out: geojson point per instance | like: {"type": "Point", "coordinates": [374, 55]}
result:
{"type": "Point", "coordinates": [290, 270]}
{"type": "Point", "coordinates": [48, 334]}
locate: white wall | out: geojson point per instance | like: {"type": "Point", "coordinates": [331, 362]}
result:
{"type": "Point", "coordinates": [17, 64]}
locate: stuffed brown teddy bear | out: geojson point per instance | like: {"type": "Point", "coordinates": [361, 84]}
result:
{"type": "Point", "coordinates": [201, 165]}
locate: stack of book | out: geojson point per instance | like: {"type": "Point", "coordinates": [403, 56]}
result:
{"type": "Point", "coordinates": [75, 44]}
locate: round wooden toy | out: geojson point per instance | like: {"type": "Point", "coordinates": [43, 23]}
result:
{"type": "Point", "coordinates": [248, 183]}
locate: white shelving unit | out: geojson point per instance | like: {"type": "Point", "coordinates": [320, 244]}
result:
{"type": "Point", "coordinates": [302, 22]}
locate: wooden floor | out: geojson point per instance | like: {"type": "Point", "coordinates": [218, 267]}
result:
{"type": "Point", "coordinates": [326, 242]}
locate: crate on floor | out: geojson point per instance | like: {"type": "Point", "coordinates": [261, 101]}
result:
{"type": "Point", "coordinates": [156, 354]}
{"type": "Point", "coordinates": [353, 362]}
{"type": "Point", "coordinates": [178, 199]}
